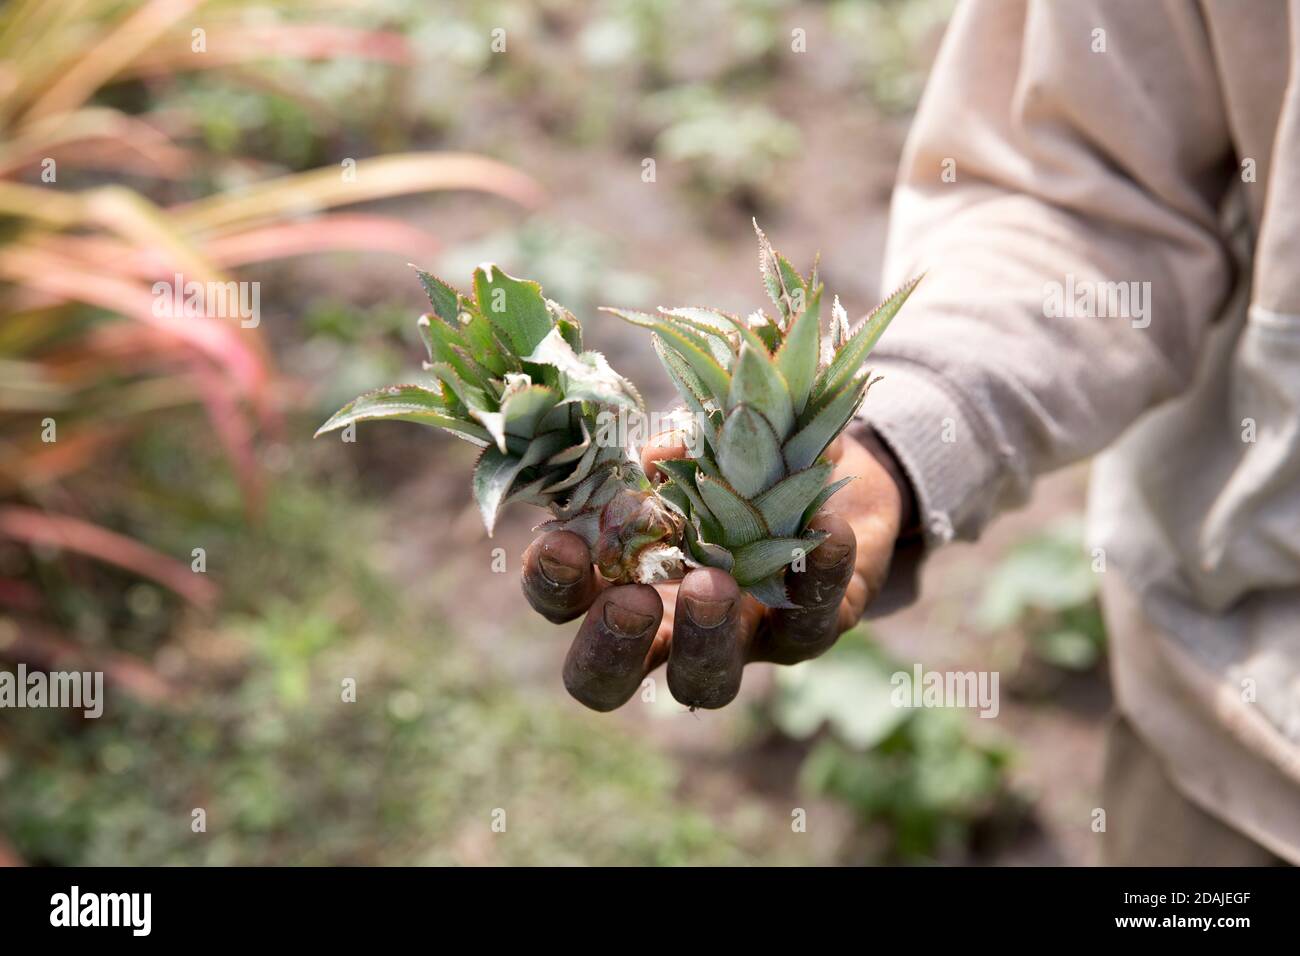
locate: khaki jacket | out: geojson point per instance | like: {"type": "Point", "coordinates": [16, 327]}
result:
{"type": "Point", "coordinates": [1105, 195]}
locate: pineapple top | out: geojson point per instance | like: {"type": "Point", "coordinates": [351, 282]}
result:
{"type": "Point", "coordinates": [768, 395]}
{"type": "Point", "coordinates": [509, 375]}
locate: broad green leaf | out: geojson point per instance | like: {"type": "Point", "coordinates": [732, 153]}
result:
{"type": "Point", "coordinates": [473, 397]}
{"type": "Point", "coordinates": [408, 403]}
{"type": "Point", "coordinates": [587, 377]}
{"type": "Point", "coordinates": [758, 384]}
{"type": "Point", "coordinates": [514, 306]}
{"type": "Point", "coordinates": [796, 360]}
{"type": "Point", "coordinates": [760, 559]}
{"type": "Point", "coordinates": [495, 473]}
{"type": "Point", "coordinates": [523, 409]}
{"type": "Point", "coordinates": [783, 506]}
{"type": "Point", "coordinates": [738, 521]}
{"type": "Point", "coordinates": [676, 498]}
{"type": "Point", "coordinates": [485, 346]}
{"type": "Point", "coordinates": [749, 453]}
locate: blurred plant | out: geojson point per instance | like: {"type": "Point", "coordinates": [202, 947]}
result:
{"type": "Point", "coordinates": [720, 38]}
{"type": "Point", "coordinates": [288, 773]}
{"type": "Point", "coordinates": [1046, 590]}
{"type": "Point", "coordinates": [88, 360]}
{"type": "Point", "coordinates": [730, 150]}
{"type": "Point", "coordinates": [573, 263]}
{"type": "Point", "coordinates": [891, 42]}
{"type": "Point", "coordinates": [917, 774]}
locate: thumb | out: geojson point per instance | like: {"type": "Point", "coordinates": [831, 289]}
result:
{"type": "Point", "coordinates": [669, 444]}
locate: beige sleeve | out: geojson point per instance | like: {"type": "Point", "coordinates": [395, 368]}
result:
{"type": "Point", "coordinates": [1059, 146]}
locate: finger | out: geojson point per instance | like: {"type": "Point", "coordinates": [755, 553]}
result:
{"type": "Point", "coordinates": [807, 630]}
{"type": "Point", "coordinates": [711, 631]}
{"type": "Point", "coordinates": [606, 661]}
{"type": "Point", "coordinates": [558, 578]}
{"type": "Point", "coordinates": [670, 444]}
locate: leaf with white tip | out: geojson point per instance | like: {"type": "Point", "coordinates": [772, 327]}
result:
{"type": "Point", "coordinates": [516, 307]}
{"type": "Point", "coordinates": [587, 377]}
{"type": "Point", "coordinates": [446, 301]}
{"type": "Point", "coordinates": [738, 521]}
{"type": "Point", "coordinates": [696, 355]}
{"type": "Point", "coordinates": [848, 360]}
{"type": "Point", "coordinates": [758, 384]}
{"type": "Point", "coordinates": [689, 387]}
{"type": "Point", "coordinates": [749, 452]}
{"type": "Point", "coordinates": [485, 346]}
{"type": "Point", "coordinates": [783, 505]}
{"type": "Point", "coordinates": [723, 322]}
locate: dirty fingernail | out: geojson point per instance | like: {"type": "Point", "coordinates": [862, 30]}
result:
{"type": "Point", "coordinates": [707, 613]}
{"type": "Point", "coordinates": [556, 571]}
{"type": "Point", "coordinates": [829, 555]}
{"type": "Point", "coordinates": [626, 623]}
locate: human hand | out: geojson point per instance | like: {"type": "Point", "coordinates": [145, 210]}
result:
{"type": "Point", "coordinates": [704, 626]}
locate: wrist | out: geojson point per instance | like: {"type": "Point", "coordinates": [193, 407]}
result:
{"type": "Point", "coordinates": [909, 517]}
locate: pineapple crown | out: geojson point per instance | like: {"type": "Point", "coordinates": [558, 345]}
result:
{"type": "Point", "coordinates": [510, 376]}
{"type": "Point", "coordinates": [767, 395]}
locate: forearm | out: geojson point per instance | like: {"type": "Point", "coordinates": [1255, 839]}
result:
{"type": "Point", "coordinates": [1058, 183]}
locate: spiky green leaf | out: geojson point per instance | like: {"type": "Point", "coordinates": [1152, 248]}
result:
{"type": "Point", "coordinates": [849, 359]}
{"type": "Point", "coordinates": [524, 408]}
{"type": "Point", "coordinates": [713, 375]}
{"type": "Point", "coordinates": [759, 559]}
{"type": "Point", "coordinates": [516, 307]}
{"type": "Point", "coordinates": [771, 592]}
{"type": "Point", "coordinates": [797, 357]}
{"type": "Point", "coordinates": [706, 553]}
{"type": "Point", "coordinates": [739, 522]}
{"type": "Point", "coordinates": [683, 472]}
{"type": "Point", "coordinates": [446, 301]}
{"type": "Point", "coordinates": [495, 472]}
{"type": "Point", "coordinates": [823, 496]}
{"type": "Point", "coordinates": [407, 403]}
{"type": "Point", "coordinates": [749, 452]}
{"type": "Point", "coordinates": [810, 441]}
{"type": "Point", "coordinates": [758, 384]}
{"type": "Point", "coordinates": [586, 377]}
{"type": "Point", "coordinates": [783, 506]}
